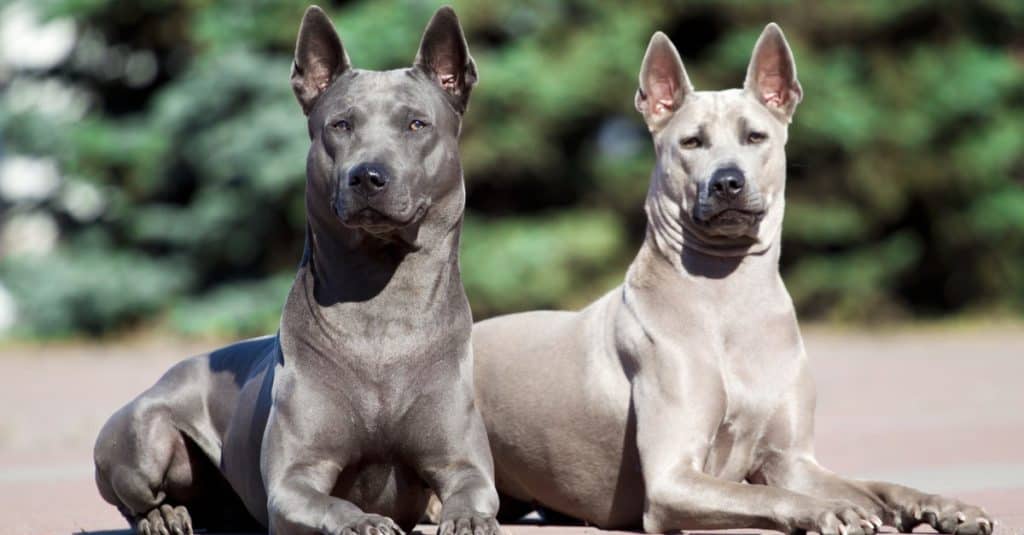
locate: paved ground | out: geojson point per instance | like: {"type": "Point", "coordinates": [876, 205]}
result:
{"type": "Point", "coordinates": [938, 409]}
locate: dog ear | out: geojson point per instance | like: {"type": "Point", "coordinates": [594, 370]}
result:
{"type": "Point", "coordinates": [444, 57]}
{"type": "Point", "coordinates": [663, 81]}
{"type": "Point", "coordinates": [319, 58]}
{"type": "Point", "coordinates": [771, 75]}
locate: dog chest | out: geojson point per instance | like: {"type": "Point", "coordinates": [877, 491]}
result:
{"type": "Point", "coordinates": [754, 385]}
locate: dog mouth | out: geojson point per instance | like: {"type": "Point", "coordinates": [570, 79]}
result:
{"type": "Point", "coordinates": [729, 222]}
{"type": "Point", "coordinates": [735, 216]}
{"type": "Point", "coordinates": [376, 221]}
{"type": "Point", "coordinates": [730, 217]}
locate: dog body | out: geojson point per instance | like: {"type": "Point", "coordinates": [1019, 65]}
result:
{"type": "Point", "coordinates": [362, 404]}
{"type": "Point", "coordinates": [657, 404]}
{"type": "Point", "coordinates": [569, 441]}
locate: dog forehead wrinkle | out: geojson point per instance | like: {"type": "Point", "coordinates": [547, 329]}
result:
{"type": "Point", "coordinates": [729, 108]}
{"type": "Point", "coordinates": [403, 88]}
{"type": "Point", "coordinates": [396, 101]}
{"type": "Point", "coordinates": [371, 83]}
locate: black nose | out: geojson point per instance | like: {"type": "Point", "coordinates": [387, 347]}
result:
{"type": "Point", "coordinates": [727, 183]}
{"type": "Point", "coordinates": [368, 178]}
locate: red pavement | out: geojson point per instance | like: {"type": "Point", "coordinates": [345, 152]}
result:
{"type": "Point", "coordinates": [942, 409]}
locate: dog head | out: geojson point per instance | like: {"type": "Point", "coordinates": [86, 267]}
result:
{"type": "Point", "coordinates": [384, 143]}
{"type": "Point", "coordinates": [721, 154]}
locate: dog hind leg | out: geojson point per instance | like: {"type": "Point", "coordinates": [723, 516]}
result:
{"type": "Point", "coordinates": [143, 467]}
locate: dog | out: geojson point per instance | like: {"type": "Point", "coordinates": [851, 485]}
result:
{"type": "Point", "coordinates": [682, 399]}
{"type": "Point", "coordinates": [362, 404]}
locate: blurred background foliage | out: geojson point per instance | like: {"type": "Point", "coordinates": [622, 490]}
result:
{"type": "Point", "coordinates": [153, 155]}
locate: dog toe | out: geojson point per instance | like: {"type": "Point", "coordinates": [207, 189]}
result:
{"type": "Point", "coordinates": [486, 526]}
{"type": "Point", "coordinates": [171, 520]}
{"type": "Point", "coordinates": [184, 519]}
{"type": "Point", "coordinates": [469, 525]}
{"type": "Point", "coordinates": [157, 526]}
{"type": "Point", "coordinates": [464, 526]}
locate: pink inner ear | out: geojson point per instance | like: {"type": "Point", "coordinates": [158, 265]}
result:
{"type": "Point", "coordinates": [662, 93]}
{"type": "Point", "coordinates": [321, 78]}
{"type": "Point", "coordinates": [444, 69]}
{"type": "Point", "coordinates": [772, 87]}
{"type": "Point", "coordinates": [772, 84]}
{"type": "Point", "coordinates": [448, 81]}
{"type": "Point", "coordinates": [317, 73]}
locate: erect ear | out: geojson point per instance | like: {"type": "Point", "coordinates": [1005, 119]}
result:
{"type": "Point", "coordinates": [663, 81]}
{"type": "Point", "coordinates": [771, 75]}
{"type": "Point", "coordinates": [319, 58]}
{"type": "Point", "coordinates": [444, 56]}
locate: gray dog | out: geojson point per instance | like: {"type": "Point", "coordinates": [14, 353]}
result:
{"type": "Point", "coordinates": [655, 405]}
{"type": "Point", "coordinates": [362, 405]}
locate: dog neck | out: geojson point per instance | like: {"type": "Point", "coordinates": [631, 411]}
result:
{"type": "Point", "coordinates": [350, 281]}
{"type": "Point", "coordinates": [353, 265]}
{"type": "Point", "coordinates": [697, 297]}
{"type": "Point", "coordinates": [695, 294]}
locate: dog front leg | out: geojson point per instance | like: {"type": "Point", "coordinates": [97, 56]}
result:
{"type": "Point", "coordinates": [800, 472]}
{"type": "Point", "coordinates": [299, 502]}
{"type": "Point", "coordinates": [672, 442]}
{"type": "Point", "coordinates": [460, 470]}
{"type": "Point", "coordinates": [469, 502]}
{"type": "Point", "coordinates": [792, 466]}
{"type": "Point", "coordinates": [299, 483]}
{"type": "Point", "coordinates": [691, 500]}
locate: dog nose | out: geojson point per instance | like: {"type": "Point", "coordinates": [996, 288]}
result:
{"type": "Point", "coordinates": [727, 183]}
{"type": "Point", "coordinates": [368, 178]}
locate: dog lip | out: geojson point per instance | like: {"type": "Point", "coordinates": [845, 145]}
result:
{"type": "Point", "coordinates": [399, 221]}
{"type": "Point", "coordinates": [729, 213]}
{"type": "Point", "coordinates": [736, 211]}
{"type": "Point", "coordinates": [375, 221]}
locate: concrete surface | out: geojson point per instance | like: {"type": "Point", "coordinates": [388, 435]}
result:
{"type": "Point", "coordinates": [941, 409]}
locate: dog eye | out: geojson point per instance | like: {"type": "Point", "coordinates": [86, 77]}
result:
{"type": "Point", "coordinates": [692, 142]}
{"type": "Point", "coordinates": [341, 124]}
{"type": "Point", "coordinates": [756, 137]}
{"type": "Point", "coordinates": [416, 124]}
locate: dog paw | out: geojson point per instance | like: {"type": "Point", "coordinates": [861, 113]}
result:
{"type": "Point", "coordinates": [945, 515]}
{"type": "Point", "coordinates": [372, 525]}
{"type": "Point", "coordinates": [165, 520]}
{"type": "Point", "coordinates": [469, 525]}
{"type": "Point", "coordinates": [837, 517]}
